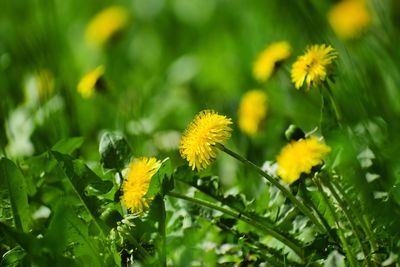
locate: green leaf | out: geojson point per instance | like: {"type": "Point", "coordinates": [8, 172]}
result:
{"type": "Point", "coordinates": [313, 197]}
{"type": "Point", "coordinates": [68, 146]}
{"type": "Point", "coordinates": [25, 240]}
{"type": "Point", "coordinates": [329, 122]}
{"type": "Point", "coordinates": [207, 184]}
{"type": "Point", "coordinates": [158, 214]}
{"type": "Point", "coordinates": [85, 183]}
{"type": "Point", "coordinates": [335, 260]}
{"type": "Point", "coordinates": [13, 257]}
{"type": "Point", "coordinates": [395, 193]}
{"type": "Point", "coordinates": [114, 151]}
{"type": "Point", "coordinates": [111, 217]}
{"type": "Point", "coordinates": [12, 178]}
{"type": "Point", "coordinates": [36, 250]}
{"type": "Point", "coordinates": [237, 202]}
{"type": "Point", "coordinates": [161, 182]}
{"type": "Point", "coordinates": [67, 232]}
{"type": "Point", "coordinates": [210, 186]}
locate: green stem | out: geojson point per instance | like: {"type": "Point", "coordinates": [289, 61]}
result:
{"type": "Point", "coordinates": [333, 102]}
{"type": "Point", "coordinates": [276, 183]}
{"type": "Point", "coordinates": [359, 216]}
{"type": "Point", "coordinates": [353, 225]}
{"type": "Point", "coordinates": [241, 211]}
{"type": "Point", "coordinates": [346, 247]}
{"type": "Point", "coordinates": [161, 230]}
{"type": "Point", "coordinates": [243, 218]}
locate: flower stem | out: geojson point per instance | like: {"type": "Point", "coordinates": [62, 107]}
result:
{"type": "Point", "coordinates": [243, 218]}
{"type": "Point", "coordinates": [346, 247]}
{"type": "Point", "coordinates": [161, 231]}
{"type": "Point", "coordinates": [276, 183]}
{"type": "Point", "coordinates": [240, 211]}
{"type": "Point", "coordinates": [333, 102]}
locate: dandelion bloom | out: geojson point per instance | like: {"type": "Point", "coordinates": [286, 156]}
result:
{"type": "Point", "coordinates": [252, 111]}
{"type": "Point", "coordinates": [136, 183]}
{"type": "Point", "coordinates": [105, 24]}
{"type": "Point", "coordinates": [348, 18]}
{"type": "Point", "coordinates": [87, 85]}
{"type": "Point", "coordinates": [299, 157]}
{"type": "Point", "coordinates": [268, 58]}
{"type": "Point", "coordinates": [313, 66]}
{"type": "Point", "coordinates": [199, 139]}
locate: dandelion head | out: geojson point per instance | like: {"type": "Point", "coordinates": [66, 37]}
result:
{"type": "Point", "coordinates": [252, 111]}
{"type": "Point", "coordinates": [136, 183]}
{"type": "Point", "coordinates": [105, 24]}
{"type": "Point", "coordinates": [313, 66]}
{"type": "Point", "coordinates": [266, 61]}
{"type": "Point", "coordinates": [349, 18]}
{"type": "Point", "coordinates": [87, 85]}
{"type": "Point", "coordinates": [198, 142]}
{"type": "Point", "coordinates": [299, 157]}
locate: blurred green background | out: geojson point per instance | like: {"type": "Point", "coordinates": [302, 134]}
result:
{"type": "Point", "coordinates": [175, 58]}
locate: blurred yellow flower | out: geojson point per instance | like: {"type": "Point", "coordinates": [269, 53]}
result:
{"type": "Point", "coordinates": [312, 67]}
{"type": "Point", "coordinates": [105, 24]}
{"type": "Point", "coordinates": [348, 18]}
{"type": "Point", "coordinates": [299, 157]}
{"type": "Point", "coordinates": [87, 85]}
{"type": "Point", "coordinates": [199, 139]}
{"type": "Point", "coordinates": [252, 111]}
{"type": "Point", "coordinates": [136, 183]}
{"type": "Point", "coordinates": [266, 61]}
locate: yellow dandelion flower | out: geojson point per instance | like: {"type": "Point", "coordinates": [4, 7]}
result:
{"type": "Point", "coordinates": [87, 85]}
{"type": "Point", "coordinates": [252, 111]}
{"type": "Point", "coordinates": [312, 67]}
{"type": "Point", "coordinates": [105, 24]}
{"type": "Point", "coordinates": [136, 183]}
{"type": "Point", "coordinates": [299, 157]}
{"type": "Point", "coordinates": [349, 18]}
{"type": "Point", "coordinates": [199, 139]}
{"type": "Point", "coordinates": [266, 61]}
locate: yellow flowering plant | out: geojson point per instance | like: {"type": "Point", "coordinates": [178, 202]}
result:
{"type": "Point", "coordinates": [186, 161]}
{"type": "Point", "coordinates": [90, 81]}
{"type": "Point", "coordinates": [252, 111]}
{"type": "Point", "coordinates": [349, 18]}
{"type": "Point", "coordinates": [104, 25]}
{"type": "Point", "coordinates": [136, 183]}
{"type": "Point", "coordinates": [269, 58]}
{"type": "Point", "coordinates": [299, 157]}
{"type": "Point", "coordinates": [314, 66]}
{"type": "Point", "coordinates": [199, 141]}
